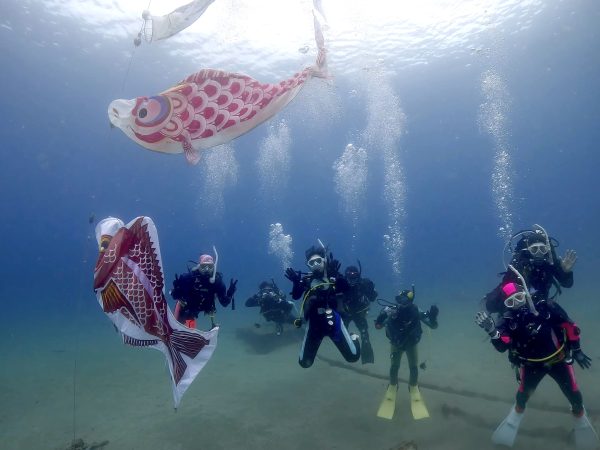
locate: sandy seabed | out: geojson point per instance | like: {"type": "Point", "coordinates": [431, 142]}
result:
{"type": "Point", "coordinates": [83, 383]}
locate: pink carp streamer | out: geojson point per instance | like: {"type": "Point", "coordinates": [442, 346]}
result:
{"type": "Point", "coordinates": [209, 108]}
{"type": "Point", "coordinates": [129, 285]}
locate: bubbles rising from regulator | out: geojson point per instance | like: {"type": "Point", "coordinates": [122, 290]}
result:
{"type": "Point", "coordinates": [280, 245]}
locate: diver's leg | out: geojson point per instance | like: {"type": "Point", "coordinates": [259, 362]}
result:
{"type": "Point", "coordinates": [212, 315]}
{"type": "Point", "coordinates": [412, 354]}
{"type": "Point", "coordinates": [310, 345]}
{"type": "Point", "coordinates": [185, 316]}
{"type": "Point", "coordinates": [530, 377]}
{"type": "Point", "coordinates": [347, 344]}
{"type": "Point", "coordinates": [177, 312]}
{"type": "Point", "coordinates": [346, 318]}
{"type": "Point", "coordinates": [395, 356]}
{"type": "Point", "coordinates": [366, 351]}
{"type": "Point", "coordinates": [564, 375]}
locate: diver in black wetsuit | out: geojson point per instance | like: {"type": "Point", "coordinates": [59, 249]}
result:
{"type": "Point", "coordinates": [355, 306]}
{"type": "Point", "coordinates": [273, 305]}
{"type": "Point", "coordinates": [402, 323]}
{"type": "Point", "coordinates": [534, 257]}
{"type": "Point", "coordinates": [319, 291]}
{"type": "Point", "coordinates": [541, 340]}
{"type": "Point", "coordinates": [195, 292]}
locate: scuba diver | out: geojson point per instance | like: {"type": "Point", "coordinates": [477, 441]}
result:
{"type": "Point", "coordinates": [355, 306]}
{"type": "Point", "coordinates": [195, 291]}
{"type": "Point", "coordinates": [319, 291]}
{"type": "Point", "coordinates": [273, 305]}
{"type": "Point", "coordinates": [534, 257]}
{"type": "Point", "coordinates": [402, 322]}
{"type": "Point", "coordinates": [541, 340]}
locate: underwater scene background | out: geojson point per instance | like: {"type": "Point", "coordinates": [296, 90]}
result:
{"type": "Point", "coordinates": [476, 120]}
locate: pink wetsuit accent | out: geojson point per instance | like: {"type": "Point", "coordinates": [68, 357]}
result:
{"type": "Point", "coordinates": [522, 377]}
{"type": "Point", "coordinates": [572, 330]}
{"type": "Point", "coordinates": [574, 386]}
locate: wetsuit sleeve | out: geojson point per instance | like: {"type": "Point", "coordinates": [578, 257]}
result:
{"type": "Point", "coordinates": [560, 317]}
{"type": "Point", "coordinates": [501, 340]}
{"type": "Point", "coordinates": [369, 290]}
{"type": "Point", "coordinates": [428, 319]}
{"type": "Point", "coordinates": [565, 279]}
{"type": "Point", "coordinates": [180, 284]}
{"type": "Point", "coordinates": [558, 314]}
{"type": "Point", "coordinates": [221, 291]}
{"type": "Point", "coordinates": [252, 301]}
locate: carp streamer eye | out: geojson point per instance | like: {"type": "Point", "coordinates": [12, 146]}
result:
{"type": "Point", "coordinates": [153, 111]}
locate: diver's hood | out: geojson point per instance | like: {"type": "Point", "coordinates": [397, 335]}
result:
{"type": "Point", "coordinates": [108, 227]}
{"type": "Point", "coordinates": [312, 251]}
{"type": "Point", "coordinates": [405, 298]}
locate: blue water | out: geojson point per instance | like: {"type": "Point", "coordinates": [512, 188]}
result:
{"type": "Point", "coordinates": [61, 164]}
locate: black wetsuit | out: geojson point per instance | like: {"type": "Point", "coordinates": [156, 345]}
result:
{"type": "Point", "coordinates": [273, 307]}
{"type": "Point", "coordinates": [540, 277]}
{"type": "Point", "coordinates": [355, 306]}
{"type": "Point", "coordinates": [320, 312]}
{"type": "Point", "coordinates": [403, 329]}
{"type": "Point", "coordinates": [197, 294]}
{"type": "Point", "coordinates": [539, 346]}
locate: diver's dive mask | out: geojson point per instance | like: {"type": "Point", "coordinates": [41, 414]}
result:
{"type": "Point", "coordinates": [516, 297]}
{"type": "Point", "coordinates": [206, 268]}
{"type": "Point", "coordinates": [405, 298]}
{"type": "Point", "coordinates": [316, 263]}
{"type": "Point", "coordinates": [268, 293]}
{"type": "Point", "coordinates": [538, 249]}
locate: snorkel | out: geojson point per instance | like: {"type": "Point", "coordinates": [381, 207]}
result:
{"type": "Point", "coordinates": [325, 265]}
{"type": "Point", "coordinates": [214, 275]}
{"type": "Point", "coordinates": [527, 294]}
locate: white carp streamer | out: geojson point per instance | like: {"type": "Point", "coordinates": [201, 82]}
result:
{"type": "Point", "coordinates": [220, 172]}
{"type": "Point", "coordinates": [274, 161]}
{"type": "Point", "coordinates": [280, 245]}
{"type": "Point", "coordinates": [385, 124]}
{"type": "Point", "coordinates": [351, 181]}
{"type": "Point", "coordinates": [493, 115]}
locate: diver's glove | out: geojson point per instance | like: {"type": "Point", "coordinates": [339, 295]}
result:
{"type": "Point", "coordinates": [231, 290]}
{"type": "Point", "coordinates": [584, 361]}
{"type": "Point", "coordinates": [292, 275]}
{"type": "Point", "coordinates": [433, 313]}
{"type": "Point", "coordinates": [568, 261]}
{"type": "Point", "coordinates": [486, 322]}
